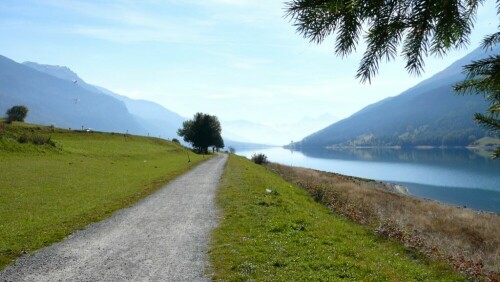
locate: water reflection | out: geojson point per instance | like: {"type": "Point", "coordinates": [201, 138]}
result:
{"type": "Point", "coordinates": [457, 176]}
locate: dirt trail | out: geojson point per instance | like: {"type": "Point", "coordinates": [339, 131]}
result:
{"type": "Point", "coordinates": [162, 238]}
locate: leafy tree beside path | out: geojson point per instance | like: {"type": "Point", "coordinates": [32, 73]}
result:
{"type": "Point", "coordinates": [202, 132]}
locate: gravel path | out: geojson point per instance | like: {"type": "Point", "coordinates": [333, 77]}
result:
{"type": "Point", "coordinates": [162, 238]}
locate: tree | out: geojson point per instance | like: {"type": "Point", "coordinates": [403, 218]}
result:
{"type": "Point", "coordinates": [202, 132]}
{"type": "Point", "coordinates": [483, 77]}
{"type": "Point", "coordinates": [16, 113]}
{"type": "Point", "coordinates": [421, 27]}
{"type": "Point", "coordinates": [219, 143]}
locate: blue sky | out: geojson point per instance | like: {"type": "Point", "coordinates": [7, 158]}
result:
{"type": "Point", "coordinates": [237, 59]}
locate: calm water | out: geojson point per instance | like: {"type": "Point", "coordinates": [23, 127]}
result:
{"type": "Point", "coordinates": [454, 176]}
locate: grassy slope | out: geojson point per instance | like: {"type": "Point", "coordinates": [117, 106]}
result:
{"type": "Point", "coordinates": [49, 192]}
{"type": "Point", "coordinates": [467, 239]}
{"type": "Point", "coordinates": [285, 235]}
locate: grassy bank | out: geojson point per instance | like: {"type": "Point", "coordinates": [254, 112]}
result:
{"type": "Point", "coordinates": [284, 235]}
{"type": "Point", "coordinates": [468, 240]}
{"type": "Point", "coordinates": [49, 191]}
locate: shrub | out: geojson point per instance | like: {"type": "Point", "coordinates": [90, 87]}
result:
{"type": "Point", "coordinates": [36, 140]}
{"type": "Point", "coordinates": [16, 113]}
{"type": "Point", "coordinates": [2, 129]}
{"type": "Point", "coordinates": [23, 139]}
{"type": "Point", "coordinates": [175, 140]}
{"type": "Point", "coordinates": [260, 159]}
{"type": "Point", "coordinates": [232, 150]}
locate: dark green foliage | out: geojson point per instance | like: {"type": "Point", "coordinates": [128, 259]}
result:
{"type": "Point", "coordinates": [422, 28]}
{"type": "Point", "coordinates": [36, 140]}
{"type": "Point", "coordinates": [16, 113]}
{"type": "Point", "coordinates": [483, 77]}
{"type": "Point", "coordinates": [175, 140]}
{"type": "Point", "coordinates": [260, 158]}
{"type": "Point", "coordinates": [202, 132]}
{"type": "Point", "coordinates": [219, 142]}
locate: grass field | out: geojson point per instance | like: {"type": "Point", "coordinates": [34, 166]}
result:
{"type": "Point", "coordinates": [47, 192]}
{"type": "Point", "coordinates": [284, 235]}
{"type": "Point", "coordinates": [468, 240]}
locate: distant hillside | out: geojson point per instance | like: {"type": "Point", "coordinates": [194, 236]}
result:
{"type": "Point", "coordinates": [155, 119]}
{"type": "Point", "coordinates": [279, 134]}
{"type": "Point", "coordinates": [153, 116]}
{"type": "Point", "coordinates": [429, 113]}
{"type": "Point", "coordinates": [61, 102]}
{"type": "Point", "coordinates": [57, 96]}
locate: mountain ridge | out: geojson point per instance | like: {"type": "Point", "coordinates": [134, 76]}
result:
{"type": "Point", "coordinates": [429, 113]}
{"type": "Point", "coordinates": [69, 106]}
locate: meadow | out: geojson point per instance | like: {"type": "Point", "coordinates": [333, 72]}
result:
{"type": "Point", "coordinates": [467, 239]}
{"type": "Point", "coordinates": [73, 178]}
{"type": "Point", "coordinates": [273, 230]}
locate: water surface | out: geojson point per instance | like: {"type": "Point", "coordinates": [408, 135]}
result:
{"type": "Point", "coordinates": [455, 176]}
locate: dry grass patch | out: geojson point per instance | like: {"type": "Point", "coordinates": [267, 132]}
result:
{"type": "Point", "coordinates": [469, 240]}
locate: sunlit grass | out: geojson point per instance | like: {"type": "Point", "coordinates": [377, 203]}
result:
{"type": "Point", "coordinates": [46, 192]}
{"type": "Point", "coordinates": [467, 239]}
{"type": "Point", "coordinates": [284, 235]}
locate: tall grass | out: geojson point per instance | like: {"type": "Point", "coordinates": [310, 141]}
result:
{"type": "Point", "coordinates": [467, 239]}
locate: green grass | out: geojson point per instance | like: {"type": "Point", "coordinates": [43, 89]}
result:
{"type": "Point", "coordinates": [47, 192]}
{"type": "Point", "coordinates": [286, 236]}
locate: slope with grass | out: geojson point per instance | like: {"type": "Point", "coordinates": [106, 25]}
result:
{"type": "Point", "coordinates": [74, 178]}
{"type": "Point", "coordinates": [281, 234]}
{"type": "Point", "coordinates": [468, 240]}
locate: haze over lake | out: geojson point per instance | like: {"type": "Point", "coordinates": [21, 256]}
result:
{"type": "Point", "coordinates": [455, 176]}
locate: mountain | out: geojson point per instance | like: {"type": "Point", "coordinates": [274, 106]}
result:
{"type": "Point", "coordinates": [430, 113]}
{"type": "Point", "coordinates": [247, 131]}
{"type": "Point", "coordinates": [155, 119]}
{"type": "Point", "coordinates": [61, 102]}
{"type": "Point", "coordinates": [55, 95]}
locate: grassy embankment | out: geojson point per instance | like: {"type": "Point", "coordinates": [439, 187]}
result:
{"type": "Point", "coordinates": [47, 192]}
{"type": "Point", "coordinates": [286, 236]}
{"type": "Point", "coordinates": [467, 239]}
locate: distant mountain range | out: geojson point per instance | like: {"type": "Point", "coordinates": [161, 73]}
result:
{"type": "Point", "coordinates": [428, 114]}
{"type": "Point", "coordinates": [53, 100]}
{"type": "Point", "coordinates": [247, 131]}
{"type": "Point", "coordinates": [152, 118]}
{"type": "Point", "coordinates": [55, 95]}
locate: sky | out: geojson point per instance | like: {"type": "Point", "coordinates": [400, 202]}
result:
{"type": "Point", "coordinates": [236, 59]}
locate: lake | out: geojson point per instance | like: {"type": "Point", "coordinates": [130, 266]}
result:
{"type": "Point", "coordinates": [460, 177]}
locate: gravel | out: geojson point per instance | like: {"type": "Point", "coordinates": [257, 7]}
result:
{"type": "Point", "coordinates": [164, 237]}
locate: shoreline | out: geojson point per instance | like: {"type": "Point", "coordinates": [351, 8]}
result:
{"type": "Point", "coordinates": [464, 237]}
{"type": "Point", "coordinates": [397, 189]}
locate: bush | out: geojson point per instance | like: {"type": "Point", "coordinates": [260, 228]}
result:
{"type": "Point", "coordinates": [36, 140]}
{"type": "Point", "coordinates": [232, 150]}
{"type": "Point", "coordinates": [2, 129]}
{"type": "Point", "coordinates": [260, 159]}
{"type": "Point", "coordinates": [23, 139]}
{"type": "Point", "coordinates": [175, 140]}
{"type": "Point", "coordinates": [16, 113]}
